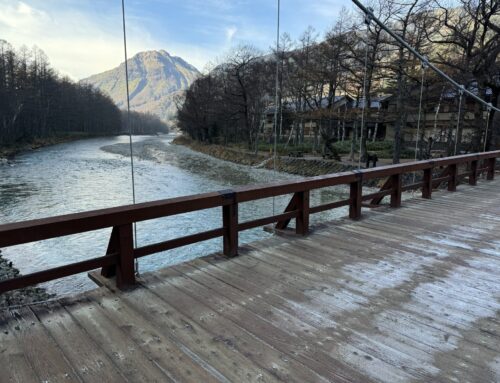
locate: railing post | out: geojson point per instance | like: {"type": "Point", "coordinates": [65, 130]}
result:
{"type": "Point", "coordinates": [125, 272]}
{"type": "Point", "coordinates": [355, 196]}
{"type": "Point", "coordinates": [491, 168]}
{"type": "Point", "coordinates": [427, 184]}
{"type": "Point", "coordinates": [302, 220]}
{"type": "Point", "coordinates": [473, 173]}
{"type": "Point", "coordinates": [122, 243]}
{"type": "Point", "coordinates": [230, 225]}
{"type": "Point", "coordinates": [453, 173]}
{"type": "Point", "coordinates": [397, 186]}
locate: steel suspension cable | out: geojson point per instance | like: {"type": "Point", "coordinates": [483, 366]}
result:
{"type": "Point", "coordinates": [368, 19]}
{"type": "Point", "coordinates": [276, 99]}
{"type": "Point", "coordinates": [487, 126]}
{"type": "Point", "coordinates": [129, 126]}
{"type": "Point", "coordinates": [369, 11]}
{"type": "Point", "coordinates": [461, 92]}
{"type": "Point", "coordinates": [422, 80]}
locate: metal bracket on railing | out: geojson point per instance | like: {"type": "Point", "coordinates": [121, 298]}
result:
{"type": "Point", "coordinates": [461, 90]}
{"type": "Point", "coordinates": [228, 194]}
{"type": "Point", "coordinates": [369, 16]}
{"type": "Point", "coordinates": [358, 173]}
{"type": "Point", "coordinates": [425, 63]}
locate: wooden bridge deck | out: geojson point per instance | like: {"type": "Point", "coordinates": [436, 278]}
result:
{"type": "Point", "coordinates": [404, 295]}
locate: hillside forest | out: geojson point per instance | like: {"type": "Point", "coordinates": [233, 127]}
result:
{"type": "Point", "coordinates": [227, 104]}
{"type": "Point", "coordinates": [36, 103]}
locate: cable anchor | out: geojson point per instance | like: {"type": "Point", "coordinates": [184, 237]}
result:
{"type": "Point", "coordinates": [425, 63]}
{"type": "Point", "coordinates": [461, 90]}
{"type": "Point", "coordinates": [368, 16]}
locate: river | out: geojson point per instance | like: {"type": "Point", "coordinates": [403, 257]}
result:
{"type": "Point", "coordinates": [79, 176]}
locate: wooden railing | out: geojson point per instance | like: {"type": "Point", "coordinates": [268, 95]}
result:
{"type": "Point", "coordinates": [120, 255]}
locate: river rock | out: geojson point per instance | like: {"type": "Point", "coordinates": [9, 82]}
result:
{"type": "Point", "coordinates": [22, 296]}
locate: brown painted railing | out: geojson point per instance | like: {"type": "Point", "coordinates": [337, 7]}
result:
{"type": "Point", "coordinates": [120, 255]}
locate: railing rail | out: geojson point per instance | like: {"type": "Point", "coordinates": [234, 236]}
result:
{"type": "Point", "coordinates": [120, 255]}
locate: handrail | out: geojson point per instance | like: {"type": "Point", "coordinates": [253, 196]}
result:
{"type": "Point", "coordinates": [121, 253]}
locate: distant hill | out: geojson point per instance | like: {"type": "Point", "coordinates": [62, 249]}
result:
{"type": "Point", "coordinates": [155, 78]}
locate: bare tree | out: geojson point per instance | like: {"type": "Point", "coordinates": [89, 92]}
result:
{"type": "Point", "coordinates": [468, 37]}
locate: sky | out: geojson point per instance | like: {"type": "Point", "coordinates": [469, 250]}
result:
{"type": "Point", "coordinates": [84, 37]}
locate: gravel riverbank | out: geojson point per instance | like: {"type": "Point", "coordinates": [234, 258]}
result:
{"type": "Point", "coordinates": [304, 166]}
{"type": "Point", "coordinates": [21, 296]}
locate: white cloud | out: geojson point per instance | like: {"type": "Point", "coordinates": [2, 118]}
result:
{"type": "Point", "coordinates": [81, 40]}
{"type": "Point", "coordinates": [80, 44]}
{"type": "Point", "coordinates": [230, 32]}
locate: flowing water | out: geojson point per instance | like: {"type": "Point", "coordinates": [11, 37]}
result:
{"type": "Point", "coordinates": [80, 176]}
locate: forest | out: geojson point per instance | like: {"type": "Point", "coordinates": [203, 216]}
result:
{"type": "Point", "coordinates": [36, 103]}
{"type": "Point", "coordinates": [228, 104]}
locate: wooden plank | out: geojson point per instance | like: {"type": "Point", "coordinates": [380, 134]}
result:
{"type": "Point", "coordinates": [44, 356]}
{"type": "Point", "coordinates": [55, 273]}
{"type": "Point", "coordinates": [90, 362]}
{"type": "Point", "coordinates": [177, 242]}
{"type": "Point", "coordinates": [258, 304]}
{"type": "Point", "coordinates": [265, 221]}
{"type": "Point", "coordinates": [327, 273]}
{"type": "Point", "coordinates": [313, 364]}
{"type": "Point", "coordinates": [206, 347]}
{"type": "Point", "coordinates": [143, 358]}
{"type": "Point", "coordinates": [329, 206]}
{"type": "Point", "coordinates": [165, 350]}
{"type": "Point", "coordinates": [319, 312]}
{"type": "Point", "coordinates": [15, 367]}
{"type": "Point", "coordinates": [287, 256]}
{"type": "Point", "coordinates": [45, 228]}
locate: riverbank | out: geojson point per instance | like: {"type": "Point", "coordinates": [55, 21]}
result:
{"type": "Point", "coordinates": [304, 166]}
{"type": "Point", "coordinates": [22, 296]}
{"type": "Point", "coordinates": [225, 153]}
{"type": "Point", "coordinates": [9, 151]}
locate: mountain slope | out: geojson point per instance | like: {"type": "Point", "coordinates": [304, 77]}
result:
{"type": "Point", "coordinates": [155, 78]}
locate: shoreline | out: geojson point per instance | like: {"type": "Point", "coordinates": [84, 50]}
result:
{"type": "Point", "coordinates": [9, 152]}
{"type": "Point", "coordinates": [23, 296]}
{"type": "Point", "coordinates": [303, 166]}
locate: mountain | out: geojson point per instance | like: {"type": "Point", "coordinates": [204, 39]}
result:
{"type": "Point", "coordinates": [155, 78]}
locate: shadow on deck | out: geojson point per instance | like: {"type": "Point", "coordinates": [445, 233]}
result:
{"type": "Point", "coordinates": [409, 294]}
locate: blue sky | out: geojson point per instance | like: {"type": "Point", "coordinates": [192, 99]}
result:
{"type": "Point", "coordinates": [83, 37]}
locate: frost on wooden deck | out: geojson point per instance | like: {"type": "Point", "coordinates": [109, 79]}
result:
{"type": "Point", "coordinates": [404, 295]}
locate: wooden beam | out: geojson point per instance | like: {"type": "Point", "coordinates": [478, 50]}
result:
{"type": "Point", "coordinates": [491, 168]}
{"type": "Point", "coordinates": [356, 198]}
{"type": "Point", "coordinates": [125, 272]}
{"type": "Point", "coordinates": [397, 184]}
{"type": "Point", "coordinates": [292, 206]}
{"type": "Point", "coordinates": [453, 173]}
{"type": "Point", "coordinates": [230, 225]}
{"type": "Point", "coordinates": [302, 220]}
{"type": "Point", "coordinates": [386, 186]}
{"type": "Point", "coordinates": [473, 174]}
{"type": "Point", "coordinates": [427, 187]}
